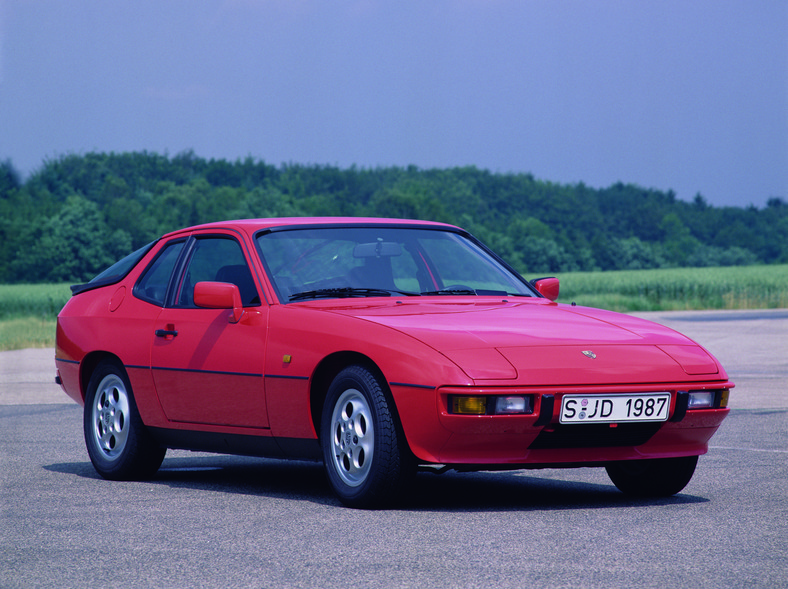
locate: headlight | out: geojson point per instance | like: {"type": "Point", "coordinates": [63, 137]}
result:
{"type": "Point", "coordinates": [509, 405]}
{"type": "Point", "coordinates": [701, 399]}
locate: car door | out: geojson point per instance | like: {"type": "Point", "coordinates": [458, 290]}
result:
{"type": "Point", "coordinates": [206, 368]}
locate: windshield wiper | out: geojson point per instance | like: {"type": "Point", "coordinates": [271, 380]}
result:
{"type": "Point", "coordinates": [449, 291]}
{"type": "Point", "coordinates": [482, 292]}
{"type": "Point", "coordinates": [348, 292]}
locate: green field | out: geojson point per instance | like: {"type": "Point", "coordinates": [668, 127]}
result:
{"type": "Point", "coordinates": [733, 287]}
{"type": "Point", "coordinates": [27, 312]}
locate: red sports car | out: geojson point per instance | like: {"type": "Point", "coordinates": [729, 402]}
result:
{"type": "Point", "coordinates": [381, 347]}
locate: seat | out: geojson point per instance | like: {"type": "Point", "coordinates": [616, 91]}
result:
{"type": "Point", "coordinates": [239, 275]}
{"type": "Point", "coordinates": [375, 273]}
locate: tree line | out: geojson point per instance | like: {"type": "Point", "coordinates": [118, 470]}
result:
{"type": "Point", "coordinates": [77, 214]}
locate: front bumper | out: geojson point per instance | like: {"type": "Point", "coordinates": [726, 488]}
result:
{"type": "Point", "coordinates": [437, 436]}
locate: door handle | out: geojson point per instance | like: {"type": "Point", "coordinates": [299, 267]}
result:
{"type": "Point", "coordinates": [166, 332]}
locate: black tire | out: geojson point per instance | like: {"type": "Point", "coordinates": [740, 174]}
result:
{"type": "Point", "coordinates": [652, 478]}
{"type": "Point", "coordinates": [119, 445]}
{"type": "Point", "coordinates": [359, 437]}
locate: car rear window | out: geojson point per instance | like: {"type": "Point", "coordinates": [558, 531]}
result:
{"type": "Point", "coordinates": [114, 273]}
{"type": "Point", "coordinates": [153, 284]}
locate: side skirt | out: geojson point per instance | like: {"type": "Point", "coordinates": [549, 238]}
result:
{"type": "Point", "coordinates": [242, 445]}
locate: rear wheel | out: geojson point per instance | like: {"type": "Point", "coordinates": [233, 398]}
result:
{"type": "Point", "coordinates": [360, 441]}
{"type": "Point", "coordinates": [652, 478]}
{"type": "Point", "coordinates": [119, 445]}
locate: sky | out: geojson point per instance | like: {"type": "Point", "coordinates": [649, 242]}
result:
{"type": "Point", "coordinates": [682, 95]}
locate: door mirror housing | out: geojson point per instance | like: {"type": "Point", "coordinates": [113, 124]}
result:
{"type": "Point", "coordinates": [219, 295]}
{"type": "Point", "coordinates": [547, 287]}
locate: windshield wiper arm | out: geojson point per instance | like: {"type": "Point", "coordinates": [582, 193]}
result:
{"type": "Point", "coordinates": [449, 291]}
{"type": "Point", "coordinates": [479, 292]}
{"type": "Point", "coordinates": [347, 292]}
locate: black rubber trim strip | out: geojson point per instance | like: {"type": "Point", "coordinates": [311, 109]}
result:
{"type": "Point", "coordinates": [545, 410]}
{"type": "Point", "coordinates": [67, 361]}
{"type": "Point", "coordinates": [682, 402]}
{"type": "Point", "coordinates": [413, 386]}
{"type": "Point", "coordinates": [257, 375]}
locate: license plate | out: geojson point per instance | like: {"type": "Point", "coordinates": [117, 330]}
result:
{"type": "Point", "coordinates": [615, 408]}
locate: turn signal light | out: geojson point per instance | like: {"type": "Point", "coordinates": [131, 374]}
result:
{"type": "Point", "coordinates": [469, 405]}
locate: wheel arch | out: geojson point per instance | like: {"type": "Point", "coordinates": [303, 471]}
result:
{"type": "Point", "coordinates": [326, 372]}
{"type": "Point", "coordinates": [328, 368]}
{"type": "Point", "coordinates": [89, 364]}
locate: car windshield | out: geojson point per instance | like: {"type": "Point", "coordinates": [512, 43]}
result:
{"type": "Point", "coordinates": [361, 261]}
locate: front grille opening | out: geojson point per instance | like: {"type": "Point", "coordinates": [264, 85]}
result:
{"type": "Point", "coordinates": [595, 435]}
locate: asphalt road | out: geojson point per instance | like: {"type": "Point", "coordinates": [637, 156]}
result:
{"type": "Point", "coordinates": [221, 521]}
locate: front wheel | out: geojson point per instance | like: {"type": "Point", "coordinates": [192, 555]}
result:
{"type": "Point", "coordinates": [652, 478]}
{"type": "Point", "coordinates": [360, 441]}
{"type": "Point", "coordinates": [119, 445]}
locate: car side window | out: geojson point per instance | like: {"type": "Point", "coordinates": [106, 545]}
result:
{"type": "Point", "coordinates": [152, 285]}
{"type": "Point", "coordinates": [217, 259]}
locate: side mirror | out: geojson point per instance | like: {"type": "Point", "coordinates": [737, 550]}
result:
{"type": "Point", "coordinates": [547, 287]}
{"type": "Point", "coordinates": [219, 295]}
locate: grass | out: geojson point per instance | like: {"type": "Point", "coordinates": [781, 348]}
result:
{"type": "Point", "coordinates": [28, 312]}
{"type": "Point", "coordinates": [27, 332]}
{"type": "Point", "coordinates": [736, 287]}
{"type": "Point", "coordinates": [32, 300]}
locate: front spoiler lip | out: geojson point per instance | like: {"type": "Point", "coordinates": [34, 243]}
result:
{"type": "Point", "coordinates": [672, 440]}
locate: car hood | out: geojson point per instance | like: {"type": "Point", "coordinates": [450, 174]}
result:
{"type": "Point", "coordinates": [536, 342]}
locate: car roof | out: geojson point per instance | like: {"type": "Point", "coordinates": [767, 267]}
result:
{"type": "Point", "coordinates": [253, 225]}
